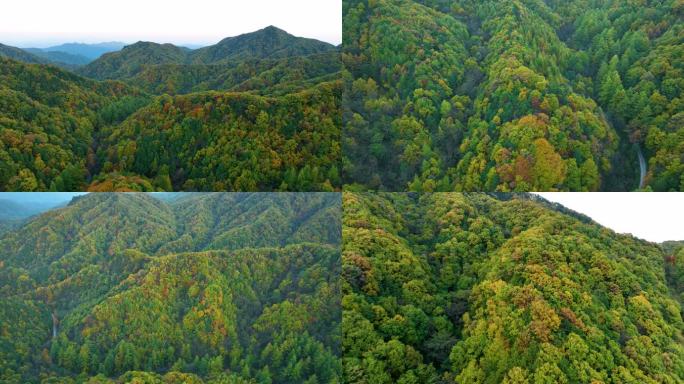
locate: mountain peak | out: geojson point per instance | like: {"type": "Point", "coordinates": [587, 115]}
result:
{"type": "Point", "coordinates": [273, 28]}
{"type": "Point", "coordinates": [132, 59]}
{"type": "Point", "coordinates": [270, 42]}
{"type": "Point", "coordinates": [141, 43]}
{"type": "Point", "coordinates": [269, 32]}
{"type": "Point", "coordinates": [111, 199]}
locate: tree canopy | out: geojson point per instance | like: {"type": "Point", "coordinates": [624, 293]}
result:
{"type": "Point", "coordinates": [259, 111]}
{"type": "Point", "coordinates": [206, 288]}
{"type": "Point", "coordinates": [505, 288]}
{"type": "Point", "coordinates": [513, 95]}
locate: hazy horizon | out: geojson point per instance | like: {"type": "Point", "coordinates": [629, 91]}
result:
{"type": "Point", "coordinates": [48, 44]}
{"type": "Point", "coordinates": [205, 23]}
{"type": "Point", "coordinates": [38, 197]}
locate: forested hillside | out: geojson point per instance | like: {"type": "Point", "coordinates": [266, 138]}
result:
{"type": "Point", "coordinates": [513, 95]}
{"type": "Point", "coordinates": [255, 61]}
{"type": "Point", "coordinates": [205, 288]}
{"type": "Point", "coordinates": [674, 267]}
{"type": "Point", "coordinates": [48, 118]}
{"type": "Point", "coordinates": [289, 142]}
{"type": "Point", "coordinates": [20, 55]}
{"type": "Point", "coordinates": [483, 288]}
{"type": "Point", "coordinates": [259, 76]}
{"type": "Point", "coordinates": [62, 59]}
{"type": "Point", "coordinates": [260, 111]}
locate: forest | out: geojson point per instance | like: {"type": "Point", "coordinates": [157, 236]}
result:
{"type": "Point", "coordinates": [255, 112]}
{"type": "Point", "coordinates": [513, 95]}
{"type": "Point", "coordinates": [503, 288]}
{"type": "Point", "coordinates": [174, 288]}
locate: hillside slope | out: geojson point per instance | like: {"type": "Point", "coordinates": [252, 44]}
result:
{"type": "Point", "coordinates": [131, 59]}
{"type": "Point", "coordinates": [231, 141]}
{"type": "Point", "coordinates": [127, 285]}
{"type": "Point", "coordinates": [48, 118]}
{"type": "Point", "coordinates": [472, 288]}
{"type": "Point", "coordinates": [269, 43]}
{"type": "Point", "coordinates": [273, 77]}
{"type": "Point", "coordinates": [63, 132]}
{"type": "Point", "coordinates": [513, 95]}
{"type": "Point", "coordinates": [38, 56]}
{"type": "Point", "coordinates": [20, 55]}
{"type": "Point", "coordinates": [62, 59]}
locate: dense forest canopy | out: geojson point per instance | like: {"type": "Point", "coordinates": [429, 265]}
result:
{"type": "Point", "coordinates": [259, 111]}
{"type": "Point", "coordinates": [267, 61]}
{"type": "Point", "coordinates": [503, 288]}
{"type": "Point", "coordinates": [513, 95]}
{"type": "Point", "coordinates": [201, 288]}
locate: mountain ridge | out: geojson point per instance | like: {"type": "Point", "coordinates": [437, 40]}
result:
{"type": "Point", "coordinates": [483, 290]}
{"type": "Point", "coordinates": [20, 55]}
{"type": "Point", "coordinates": [91, 51]}
{"type": "Point", "coordinates": [200, 310]}
{"type": "Point", "coordinates": [269, 42]}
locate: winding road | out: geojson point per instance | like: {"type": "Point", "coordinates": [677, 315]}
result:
{"type": "Point", "coordinates": [642, 161]}
{"type": "Point", "coordinates": [55, 324]}
{"type": "Point", "coordinates": [642, 167]}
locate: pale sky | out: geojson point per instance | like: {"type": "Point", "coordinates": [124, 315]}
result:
{"type": "Point", "coordinates": [41, 23]}
{"type": "Point", "coordinates": [656, 217]}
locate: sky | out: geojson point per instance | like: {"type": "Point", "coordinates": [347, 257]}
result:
{"type": "Point", "coordinates": [42, 23]}
{"type": "Point", "coordinates": [655, 217]}
{"type": "Point", "coordinates": [41, 197]}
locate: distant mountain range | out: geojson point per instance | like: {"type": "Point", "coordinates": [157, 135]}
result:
{"type": "Point", "coordinates": [15, 211]}
{"type": "Point", "coordinates": [22, 205]}
{"type": "Point", "coordinates": [69, 56]}
{"type": "Point", "coordinates": [90, 51]}
{"type": "Point", "coordinates": [60, 58]}
{"type": "Point", "coordinates": [116, 60]}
